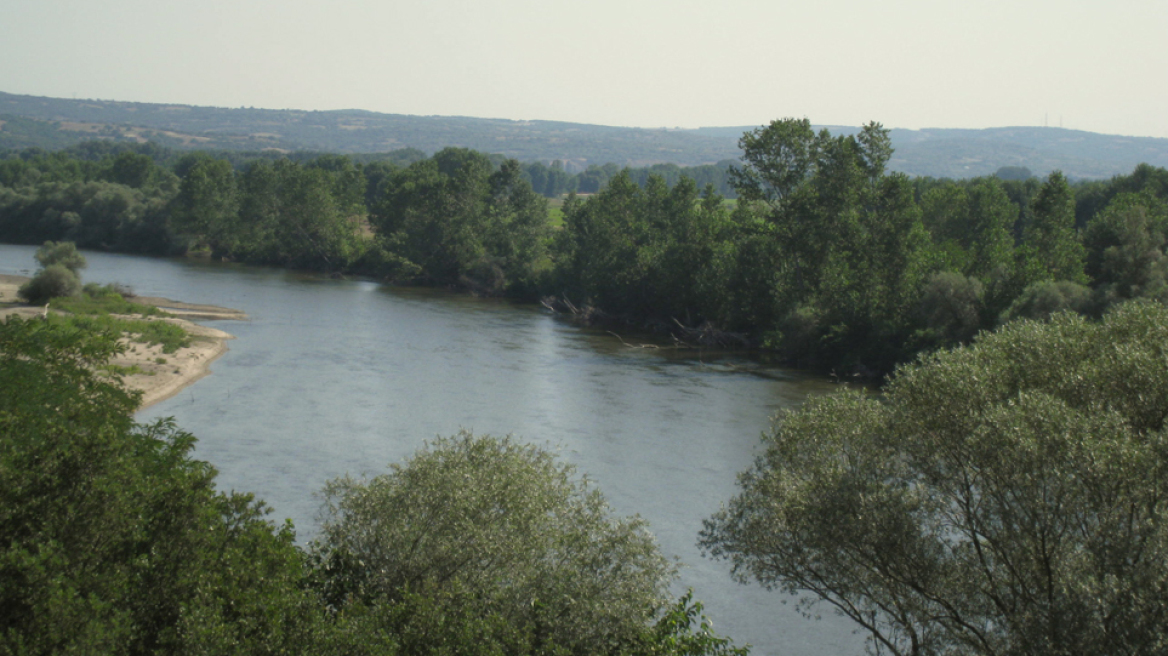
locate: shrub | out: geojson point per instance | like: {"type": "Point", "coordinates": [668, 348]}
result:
{"type": "Point", "coordinates": [63, 253]}
{"type": "Point", "coordinates": [53, 281]}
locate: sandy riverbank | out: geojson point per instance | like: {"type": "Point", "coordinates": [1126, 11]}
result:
{"type": "Point", "coordinates": [163, 374]}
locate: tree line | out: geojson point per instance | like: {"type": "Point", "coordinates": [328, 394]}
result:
{"type": "Point", "coordinates": [824, 257]}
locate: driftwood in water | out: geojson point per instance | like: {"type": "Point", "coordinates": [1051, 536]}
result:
{"type": "Point", "coordinates": [709, 335]}
{"type": "Point", "coordinates": [587, 315]}
{"type": "Point", "coordinates": [703, 336]}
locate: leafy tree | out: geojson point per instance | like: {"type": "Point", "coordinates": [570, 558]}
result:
{"type": "Point", "coordinates": [1051, 247]}
{"type": "Point", "coordinates": [132, 169]}
{"type": "Point", "coordinates": [58, 277]}
{"type": "Point", "coordinates": [950, 308]}
{"type": "Point", "coordinates": [779, 158]}
{"type": "Point", "coordinates": [207, 205]}
{"type": "Point", "coordinates": [1043, 299]}
{"type": "Point", "coordinates": [1004, 498]}
{"type": "Point", "coordinates": [517, 230]}
{"type": "Point", "coordinates": [597, 248]}
{"type": "Point", "coordinates": [63, 253]}
{"type": "Point", "coordinates": [458, 220]}
{"type": "Point", "coordinates": [115, 540]}
{"type": "Point", "coordinates": [299, 216]}
{"type": "Point", "coordinates": [989, 239]}
{"type": "Point", "coordinates": [487, 527]}
{"type": "Point", "coordinates": [314, 227]}
{"type": "Point", "coordinates": [432, 213]}
{"type": "Point", "coordinates": [971, 225]}
{"type": "Point", "coordinates": [1125, 248]}
{"type": "Point", "coordinates": [53, 281]}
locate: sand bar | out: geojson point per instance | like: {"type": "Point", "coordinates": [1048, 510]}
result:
{"type": "Point", "coordinates": [163, 374]}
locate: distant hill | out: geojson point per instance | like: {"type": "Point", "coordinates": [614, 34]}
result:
{"type": "Point", "coordinates": [56, 123]}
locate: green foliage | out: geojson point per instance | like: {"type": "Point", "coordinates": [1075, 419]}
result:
{"type": "Point", "coordinates": [852, 250]}
{"type": "Point", "coordinates": [206, 205]}
{"type": "Point", "coordinates": [105, 299]}
{"type": "Point", "coordinates": [93, 213]}
{"type": "Point", "coordinates": [971, 226]}
{"type": "Point", "coordinates": [951, 308]}
{"type": "Point", "coordinates": [651, 253]}
{"type": "Point", "coordinates": [170, 336]}
{"type": "Point", "coordinates": [300, 216]}
{"type": "Point", "coordinates": [825, 259]}
{"type": "Point", "coordinates": [114, 538]}
{"type": "Point", "coordinates": [1125, 248]}
{"type": "Point", "coordinates": [778, 159]}
{"type": "Point", "coordinates": [133, 170]}
{"type": "Point", "coordinates": [54, 281]}
{"type": "Point", "coordinates": [63, 253]}
{"type": "Point", "coordinates": [1002, 498]}
{"type": "Point", "coordinates": [1052, 249]}
{"type": "Point", "coordinates": [1043, 299]}
{"type": "Point", "coordinates": [455, 219]}
{"type": "Point", "coordinates": [58, 278]}
{"type": "Point", "coordinates": [684, 631]}
{"type": "Point", "coordinates": [487, 528]}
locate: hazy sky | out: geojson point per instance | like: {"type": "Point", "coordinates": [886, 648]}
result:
{"type": "Point", "coordinates": [1084, 64]}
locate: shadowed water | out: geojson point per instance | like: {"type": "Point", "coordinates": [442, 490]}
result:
{"type": "Point", "coordinates": [333, 377]}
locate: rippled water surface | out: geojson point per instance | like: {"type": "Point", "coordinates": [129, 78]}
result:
{"type": "Point", "coordinates": [332, 377]}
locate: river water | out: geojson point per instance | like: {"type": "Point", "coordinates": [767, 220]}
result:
{"type": "Point", "coordinates": [333, 377]}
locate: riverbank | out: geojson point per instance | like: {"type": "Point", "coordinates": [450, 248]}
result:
{"type": "Point", "coordinates": [157, 375]}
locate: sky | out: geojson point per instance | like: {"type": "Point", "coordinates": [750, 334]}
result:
{"type": "Point", "coordinates": [1080, 64]}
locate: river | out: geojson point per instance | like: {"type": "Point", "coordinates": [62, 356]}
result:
{"type": "Point", "coordinates": [332, 377]}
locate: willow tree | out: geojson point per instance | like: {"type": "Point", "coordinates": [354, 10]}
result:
{"type": "Point", "coordinates": [1010, 497]}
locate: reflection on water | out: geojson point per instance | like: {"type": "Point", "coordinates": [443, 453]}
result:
{"type": "Point", "coordinates": [332, 377]}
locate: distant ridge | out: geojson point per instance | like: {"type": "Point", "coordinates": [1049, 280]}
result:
{"type": "Point", "coordinates": [937, 152]}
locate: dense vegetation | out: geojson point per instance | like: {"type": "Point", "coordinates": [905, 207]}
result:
{"type": "Point", "coordinates": [1002, 498]}
{"type": "Point", "coordinates": [825, 257]}
{"type": "Point", "coordinates": [116, 541]}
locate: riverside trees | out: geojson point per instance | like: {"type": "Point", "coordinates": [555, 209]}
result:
{"type": "Point", "coordinates": [457, 218]}
{"type": "Point", "coordinates": [116, 541]}
{"type": "Point", "coordinates": [1003, 498]}
{"type": "Point", "coordinates": [826, 257]}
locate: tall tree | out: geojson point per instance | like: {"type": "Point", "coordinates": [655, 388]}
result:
{"type": "Point", "coordinates": [1003, 498]}
{"type": "Point", "coordinates": [1051, 247]}
{"type": "Point", "coordinates": [207, 206]}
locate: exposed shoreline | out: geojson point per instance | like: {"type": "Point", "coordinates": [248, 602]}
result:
{"type": "Point", "coordinates": [163, 375]}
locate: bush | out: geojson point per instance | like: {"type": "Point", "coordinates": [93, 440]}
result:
{"type": "Point", "coordinates": [1043, 299]}
{"type": "Point", "coordinates": [54, 281]}
{"type": "Point", "coordinates": [950, 308]}
{"type": "Point", "coordinates": [490, 528]}
{"type": "Point", "coordinates": [63, 253]}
